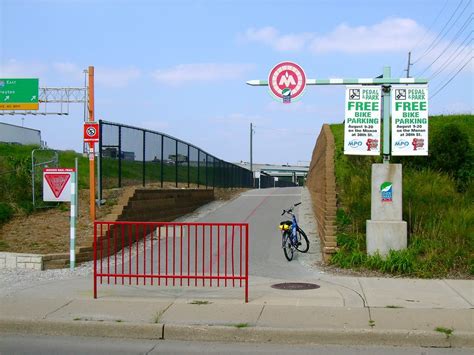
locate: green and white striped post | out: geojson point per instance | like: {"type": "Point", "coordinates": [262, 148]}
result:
{"type": "Point", "coordinates": [386, 115]}
{"type": "Point", "coordinates": [72, 247]}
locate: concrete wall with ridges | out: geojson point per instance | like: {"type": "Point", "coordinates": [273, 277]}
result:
{"type": "Point", "coordinates": [321, 183]}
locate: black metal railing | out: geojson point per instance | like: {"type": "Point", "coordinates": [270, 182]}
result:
{"type": "Point", "coordinates": [136, 156]}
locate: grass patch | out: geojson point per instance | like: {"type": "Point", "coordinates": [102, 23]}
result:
{"type": "Point", "coordinates": [447, 331]}
{"type": "Point", "coordinates": [198, 302]}
{"type": "Point", "coordinates": [371, 323]}
{"type": "Point", "coordinates": [437, 206]}
{"type": "Point", "coordinates": [241, 325]}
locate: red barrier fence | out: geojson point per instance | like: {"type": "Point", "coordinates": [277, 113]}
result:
{"type": "Point", "coordinates": [175, 254]}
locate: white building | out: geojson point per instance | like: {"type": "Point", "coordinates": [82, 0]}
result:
{"type": "Point", "coordinates": [21, 135]}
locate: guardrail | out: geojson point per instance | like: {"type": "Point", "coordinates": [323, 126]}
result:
{"type": "Point", "coordinates": [172, 254]}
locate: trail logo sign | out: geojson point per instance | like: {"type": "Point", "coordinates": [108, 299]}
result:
{"type": "Point", "coordinates": [287, 82]}
{"type": "Point", "coordinates": [57, 184]}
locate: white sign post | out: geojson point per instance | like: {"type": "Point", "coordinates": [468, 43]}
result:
{"type": "Point", "coordinates": [409, 120]}
{"type": "Point", "coordinates": [362, 120]}
{"type": "Point", "coordinates": [59, 185]}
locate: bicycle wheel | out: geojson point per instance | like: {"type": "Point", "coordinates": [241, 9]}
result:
{"type": "Point", "coordinates": [287, 247]}
{"type": "Point", "coordinates": [303, 242]}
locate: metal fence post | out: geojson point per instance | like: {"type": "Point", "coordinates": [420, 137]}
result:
{"type": "Point", "coordinates": [207, 171]}
{"type": "Point", "coordinates": [189, 177]}
{"type": "Point", "coordinates": [99, 173]}
{"type": "Point", "coordinates": [176, 162]}
{"type": "Point", "coordinates": [199, 168]}
{"type": "Point", "coordinates": [144, 152]}
{"type": "Point", "coordinates": [161, 161]}
{"type": "Point", "coordinates": [120, 156]}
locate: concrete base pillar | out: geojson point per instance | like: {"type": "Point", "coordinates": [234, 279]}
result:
{"type": "Point", "coordinates": [383, 236]}
{"type": "Point", "coordinates": [386, 230]}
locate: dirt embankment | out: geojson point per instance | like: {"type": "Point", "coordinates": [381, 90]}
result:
{"type": "Point", "coordinates": [47, 231]}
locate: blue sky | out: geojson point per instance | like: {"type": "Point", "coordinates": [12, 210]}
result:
{"type": "Point", "coordinates": [180, 67]}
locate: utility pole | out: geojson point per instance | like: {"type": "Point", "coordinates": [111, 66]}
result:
{"type": "Point", "coordinates": [91, 145]}
{"type": "Point", "coordinates": [251, 148]}
{"type": "Point", "coordinates": [408, 65]}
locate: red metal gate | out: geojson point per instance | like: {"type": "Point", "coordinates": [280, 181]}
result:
{"type": "Point", "coordinates": [175, 254]}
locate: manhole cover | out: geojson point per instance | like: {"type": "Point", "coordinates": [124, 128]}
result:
{"type": "Point", "coordinates": [295, 286]}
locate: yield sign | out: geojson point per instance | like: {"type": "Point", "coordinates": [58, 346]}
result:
{"type": "Point", "coordinates": [57, 184]}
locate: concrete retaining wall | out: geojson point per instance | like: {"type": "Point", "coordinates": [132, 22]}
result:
{"type": "Point", "coordinates": [21, 261]}
{"type": "Point", "coordinates": [321, 183]}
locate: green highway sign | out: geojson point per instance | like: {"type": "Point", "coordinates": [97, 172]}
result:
{"type": "Point", "coordinates": [19, 94]}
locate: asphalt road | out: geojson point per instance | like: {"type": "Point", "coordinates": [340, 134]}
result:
{"type": "Point", "coordinates": [186, 251]}
{"type": "Point", "coordinates": [48, 345]}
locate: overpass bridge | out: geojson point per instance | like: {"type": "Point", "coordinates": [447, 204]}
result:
{"type": "Point", "coordinates": [292, 173]}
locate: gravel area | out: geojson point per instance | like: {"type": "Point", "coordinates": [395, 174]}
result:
{"type": "Point", "coordinates": [16, 279]}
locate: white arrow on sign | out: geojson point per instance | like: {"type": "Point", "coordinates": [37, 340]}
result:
{"type": "Point", "coordinates": [6, 98]}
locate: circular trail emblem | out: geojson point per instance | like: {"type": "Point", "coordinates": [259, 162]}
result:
{"type": "Point", "coordinates": [286, 81]}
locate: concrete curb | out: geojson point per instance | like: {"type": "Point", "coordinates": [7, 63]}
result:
{"type": "Point", "coordinates": [232, 333]}
{"type": "Point", "coordinates": [82, 328]}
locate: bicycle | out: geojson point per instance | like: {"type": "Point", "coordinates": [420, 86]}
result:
{"type": "Point", "coordinates": [293, 237]}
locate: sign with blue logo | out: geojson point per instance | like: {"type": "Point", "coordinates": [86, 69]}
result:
{"type": "Point", "coordinates": [386, 191]}
{"type": "Point", "coordinates": [362, 120]}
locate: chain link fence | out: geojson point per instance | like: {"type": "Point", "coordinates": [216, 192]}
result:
{"type": "Point", "coordinates": [135, 156]}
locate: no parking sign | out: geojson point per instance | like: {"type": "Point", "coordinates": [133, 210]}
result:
{"type": "Point", "coordinates": [91, 132]}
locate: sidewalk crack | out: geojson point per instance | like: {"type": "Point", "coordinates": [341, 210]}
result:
{"type": "Point", "coordinates": [260, 315]}
{"type": "Point", "coordinates": [61, 307]}
{"type": "Point", "coordinates": [452, 288]}
{"type": "Point", "coordinates": [366, 304]}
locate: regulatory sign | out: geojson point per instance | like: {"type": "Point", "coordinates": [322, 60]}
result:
{"type": "Point", "coordinates": [19, 94]}
{"type": "Point", "coordinates": [362, 120]}
{"type": "Point", "coordinates": [287, 81]}
{"type": "Point", "coordinates": [91, 132]}
{"type": "Point", "coordinates": [410, 120]}
{"type": "Point", "coordinates": [57, 184]}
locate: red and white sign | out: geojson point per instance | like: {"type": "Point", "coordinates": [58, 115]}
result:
{"type": "Point", "coordinates": [91, 132]}
{"type": "Point", "coordinates": [57, 184]}
{"type": "Point", "coordinates": [287, 81]}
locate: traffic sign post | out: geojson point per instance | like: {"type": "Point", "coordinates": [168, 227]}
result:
{"type": "Point", "coordinates": [386, 230]}
{"type": "Point", "coordinates": [19, 94]}
{"type": "Point", "coordinates": [60, 185]}
{"type": "Point", "coordinates": [91, 145]}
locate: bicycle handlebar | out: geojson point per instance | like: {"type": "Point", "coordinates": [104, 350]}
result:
{"type": "Point", "coordinates": [290, 210]}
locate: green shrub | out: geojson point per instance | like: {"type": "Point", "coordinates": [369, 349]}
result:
{"type": "Point", "coordinates": [437, 205]}
{"type": "Point", "coordinates": [6, 212]}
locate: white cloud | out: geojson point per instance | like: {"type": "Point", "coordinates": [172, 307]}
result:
{"type": "Point", "coordinates": [18, 69]}
{"type": "Point", "coordinates": [104, 76]}
{"type": "Point", "coordinates": [271, 37]}
{"type": "Point", "coordinates": [116, 77]}
{"type": "Point", "coordinates": [68, 70]}
{"type": "Point", "coordinates": [392, 34]}
{"type": "Point", "coordinates": [201, 72]}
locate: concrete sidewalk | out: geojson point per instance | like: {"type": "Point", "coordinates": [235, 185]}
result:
{"type": "Point", "coordinates": [343, 310]}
